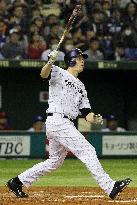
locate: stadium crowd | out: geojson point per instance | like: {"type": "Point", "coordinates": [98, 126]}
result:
{"type": "Point", "coordinates": [105, 29]}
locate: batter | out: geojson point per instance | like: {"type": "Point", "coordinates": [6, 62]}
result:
{"type": "Point", "coordinates": [67, 100]}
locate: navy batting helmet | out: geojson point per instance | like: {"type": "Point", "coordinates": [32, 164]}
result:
{"type": "Point", "coordinates": [70, 57]}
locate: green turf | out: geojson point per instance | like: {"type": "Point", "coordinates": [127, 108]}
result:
{"type": "Point", "coordinates": [72, 173]}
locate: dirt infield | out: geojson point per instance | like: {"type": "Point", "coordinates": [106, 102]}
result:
{"type": "Point", "coordinates": [68, 196]}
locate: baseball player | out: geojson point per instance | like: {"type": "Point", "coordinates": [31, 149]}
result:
{"type": "Point", "coordinates": [67, 100]}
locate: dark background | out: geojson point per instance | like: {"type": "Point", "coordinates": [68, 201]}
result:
{"type": "Point", "coordinates": [109, 92]}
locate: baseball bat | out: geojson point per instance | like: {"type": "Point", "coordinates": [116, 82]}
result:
{"type": "Point", "coordinates": [69, 24]}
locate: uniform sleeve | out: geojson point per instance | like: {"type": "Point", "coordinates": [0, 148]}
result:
{"type": "Point", "coordinates": [84, 103]}
{"type": "Point", "coordinates": [55, 73]}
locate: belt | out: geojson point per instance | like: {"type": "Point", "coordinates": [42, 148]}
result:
{"type": "Point", "coordinates": [64, 116]}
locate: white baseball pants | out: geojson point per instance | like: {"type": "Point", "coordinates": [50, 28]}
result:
{"type": "Point", "coordinates": [63, 136]}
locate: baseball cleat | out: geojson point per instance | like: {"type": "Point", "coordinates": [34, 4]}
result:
{"type": "Point", "coordinates": [16, 189]}
{"type": "Point", "coordinates": [119, 186]}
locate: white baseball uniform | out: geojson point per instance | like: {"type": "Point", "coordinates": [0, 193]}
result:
{"type": "Point", "coordinates": [67, 95]}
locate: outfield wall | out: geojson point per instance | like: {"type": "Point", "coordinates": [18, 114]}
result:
{"type": "Point", "coordinates": [22, 144]}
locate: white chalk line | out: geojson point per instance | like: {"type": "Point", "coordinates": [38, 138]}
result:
{"type": "Point", "coordinates": [84, 196]}
{"type": "Point", "coordinates": [100, 196]}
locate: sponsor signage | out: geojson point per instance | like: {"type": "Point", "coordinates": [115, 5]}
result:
{"type": "Point", "coordinates": [15, 145]}
{"type": "Point", "coordinates": [119, 145]}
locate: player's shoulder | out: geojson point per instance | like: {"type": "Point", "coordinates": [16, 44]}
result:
{"type": "Point", "coordinates": [81, 83]}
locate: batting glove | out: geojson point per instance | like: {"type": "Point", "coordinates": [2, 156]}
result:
{"type": "Point", "coordinates": [53, 56]}
{"type": "Point", "coordinates": [98, 119]}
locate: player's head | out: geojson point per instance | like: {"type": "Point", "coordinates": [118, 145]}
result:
{"type": "Point", "coordinates": [71, 58]}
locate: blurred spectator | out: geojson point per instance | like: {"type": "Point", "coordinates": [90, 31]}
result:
{"type": "Point", "coordinates": [68, 45]}
{"type": "Point", "coordinates": [37, 124]}
{"type": "Point", "coordinates": [20, 18]}
{"type": "Point", "coordinates": [129, 36]}
{"type": "Point", "coordinates": [82, 21]}
{"type": "Point", "coordinates": [13, 49]}
{"type": "Point", "coordinates": [93, 52]}
{"type": "Point", "coordinates": [97, 22]}
{"type": "Point", "coordinates": [2, 33]}
{"type": "Point", "coordinates": [97, 5]}
{"type": "Point", "coordinates": [33, 29]}
{"type": "Point", "coordinates": [119, 53]}
{"type": "Point", "coordinates": [89, 34]}
{"type": "Point", "coordinates": [53, 44]}
{"type": "Point", "coordinates": [38, 4]}
{"type": "Point", "coordinates": [106, 6]}
{"type": "Point", "coordinates": [130, 13]}
{"type": "Point", "coordinates": [112, 125]}
{"type": "Point", "coordinates": [106, 46]}
{"type": "Point", "coordinates": [50, 20]}
{"type": "Point", "coordinates": [4, 125]}
{"type": "Point", "coordinates": [56, 31]}
{"type": "Point", "coordinates": [78, 39]}
{"type": "Point", "coordinates": [35, 12]}
{"type": "Point", "coordinates": [3, 9]}
{"type": "Point", "coordinates": [122, 3]}
{"type": "Point", "coordinates": [115, 24]}
{"type": "Point", "coordinates": [36, 46]}
{"type": "Point", "coordinates": [39, 23]}
{"type": "Point", "coordinates": [131, 53]}
{"type": "Point", "coordinates": [18, 2]}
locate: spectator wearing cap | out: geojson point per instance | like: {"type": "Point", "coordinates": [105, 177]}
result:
{"type": "Point", "coordinates": [112, 125]}
{"type": "Point", "coordinates": [37, 124]}
{"type": "Point", "coordinates": [13, 49]}
{"type": "Point", "coordinates": [4, 121]}
{"type": "Point", "coordinates": [94, 52]}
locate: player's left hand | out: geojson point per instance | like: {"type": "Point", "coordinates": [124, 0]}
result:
{"type": "Point", "coordinates": [93, 118]}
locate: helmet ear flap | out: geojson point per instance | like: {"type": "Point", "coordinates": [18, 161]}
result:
{"type": "Point", "coordinates": [72, 62]}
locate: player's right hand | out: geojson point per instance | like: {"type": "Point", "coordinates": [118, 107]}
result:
{"type": "Point", "coordinates": [53, 56]}
{"type": "Point", "coordinates": [96, 119]}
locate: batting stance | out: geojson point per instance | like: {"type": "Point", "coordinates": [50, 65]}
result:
{"type": "Point", "coordinates": [67, 100]}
